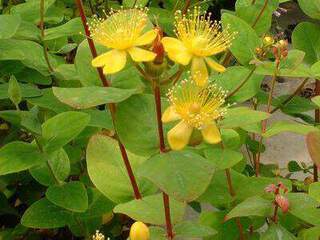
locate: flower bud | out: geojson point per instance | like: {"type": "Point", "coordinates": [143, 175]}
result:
{"type": "Point", "coordinates": [283, 44]}
{"type": "Point", "coordinates": [158, 48]}
{"type": "Point", "coordinates": [268, 40]}
{"type": "Point", "coordinates": [139, 231]}
{"type": "Point", "coordinates": [282, 202]}
{"type": "Point", "coordinates": [271, 188]}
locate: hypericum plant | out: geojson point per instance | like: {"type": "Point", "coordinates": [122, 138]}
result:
{"type": "Point", "coordinates": [130, 130]}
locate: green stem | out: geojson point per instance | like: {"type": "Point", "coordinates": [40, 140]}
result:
{"type": "Point", "coordinates": [242, 83]}
{"type": "Point", "coordinates": [289, 98]}
{"type": "Point", "coordinates": [42, 35]}
{"type": "Point", "coordinates": [264, 122]}
{"type": "Point", "coordinates": [57, 181]}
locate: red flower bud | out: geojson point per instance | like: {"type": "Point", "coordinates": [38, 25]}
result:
{"type": "Point", "coordinates": [282, 202]}
{"type": "Point", "coordinates": [158, 48]}
{"type": "Point", "coordinates": [271, 188]}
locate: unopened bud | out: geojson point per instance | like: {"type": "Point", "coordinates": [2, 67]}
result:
{"type": "Point", "coordinates": [282, 202]}
{"type": "Point", "coordinates": [268, 40]}
{"type": "Point", "coordinates": [283, 44]}
{"type": "Point", "coordinates": [139, 231]}
{"type": "Point", "coordinates": [157, 47]}
{"type": "Point", "coordinates": [271, 188]}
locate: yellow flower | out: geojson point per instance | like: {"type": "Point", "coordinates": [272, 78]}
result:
{"type": "Point", "coordinates": [196, 107]}
{"type": "Point", "coordinates": [139, 231]}
{"type": "Point", "coordinates": [198, 38]}
{"type": "Point", "coordinates": [123, 32]}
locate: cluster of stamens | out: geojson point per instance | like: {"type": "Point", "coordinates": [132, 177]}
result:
{"type": "Point", "coordinates": [200, 34]}
{"type": "Point", "coordinates": [119, 28]}
{"type": "Point", "coordinates": [98, 236]}
{"type": "Point", "coordinates": [196, 105]}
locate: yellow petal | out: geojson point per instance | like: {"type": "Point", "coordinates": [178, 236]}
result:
{"type": "Point", "coordinates": [141, 55]}
{"type": "Point", "coordinates": [211, 133]}
{"type": "Point", "coordinates": [199, 71]}
{"type": "Point", "coordinates": [215, 66]}
{"type": "Point", "coordinates": [170, 115]}
{"type": "Point", "coordinates": [146, 38]}
{"type": "Point", "coordinates": [179, 136]}
{"type": "Point", "coordinates": [112, 61]}
{"type": "Point", "coordinates": [177, 52]}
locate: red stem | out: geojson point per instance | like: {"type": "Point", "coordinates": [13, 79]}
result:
{"type": "Point", "coordinates": [112, 106]}
{"type": "Point", "coordinates": [166, 203]}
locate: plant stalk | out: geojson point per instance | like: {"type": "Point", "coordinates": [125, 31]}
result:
{"type": "Point", "coordinates": [42, 35]}
{"type": "Point", "coordinates": [317, 120]}
{"type": "Point", "coordinates": [162, 147]}
{"type": "Point", "coordinates": [264, 122]}
{"type": "Point", "coordinates": [186, 6]}
{"type": "Point", "coordinates": [260, 13]}
{"type": "Point", "coordinates": [241, 84]}
{"type": "Point", "coordinates": [233, 194]}
{"type": "Point", "coordinates": [111, 106]}
{"type": "Point", "coordinates": [295, 93]}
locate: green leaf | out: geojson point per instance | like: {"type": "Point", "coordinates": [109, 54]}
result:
{"type": "Point", "coordinates": [44, 214]}
{"type": "Point", "coordinates": [293, 166]}
{"type": "Point", "coordinates": [132, 3]}
{"type": "Point", "coordinates": [304, 207]}
{"type": "Point", "coordinates": [62, 128]}
{"type": "Point", "coordinates": [70, 28]}
{"type": "Point", "coordinates": [242, 116]}
{"type": "Point", "coordinates": [312, 233]}
{"type": "Point", "coordinates": [286, 126]}
{"type": "Point", "coordinates": [14, 91]}
{"type": "Point", "coordinates": [306, 37]}
{"type": "Point", "coordinates": [246, 36]}
{"type": "Point", "coordinates": [178, 173]}
{"type": "Point", "coordinates": [191, 230]}
{"type": "Point", "coordinates": [226, 230]}
{"type": "Point", "coordinates": [108, 172]}
{"type": "Point", "coordinates": [233, 77]}
{"type": "Point", "coordinates": [314, 190]}
{"type": "Point", "coordinates": [27, 90]}
{"type": "Point", "coordinates": [87, 97]}
{"type": "Point", "coordinates": [150, 210]}
{"type": "Point", "coordinates": [136, 124]}
{"type": "Point", "coordinates": [29, 11]}
{"type": "Point", "coordinates": [18, 156]}
{"type": "Point", "coordinates": [277, 232]}
{"type": "Point", "coordinates": [313, 145]}
{"type": "Point", "coordinates": [60, 167]}
{"type": "Point", "coordinates": [28, 52]}
{"type": "Point", "coordinates": [250, 12]}
{"type": "Point", "coordinates": [49, 101]}
{"type": "Point", "coordinates": [71, 196]}
{"type": "Point", "coordinates": [316, 100]}
{"type": "Point", "coordinates": [26, 119]}
{"type": "Point", "coordinates": [223, 158]}
{"type": "Point", "coordinates": [310, 7]}
{"type": "Point", "coordinates": [254, 206]}
{"type": "Point", "coordinates": [89, 74]}
{"type": "Point", "coordinates": [98, 205]}
{"type": "Point", "coordinates": [9, 24]}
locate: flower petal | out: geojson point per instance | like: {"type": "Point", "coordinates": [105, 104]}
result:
{"type": "Point", "coordinates": [141, 55]}
{"type": "Point", "coordinates": [211, 133]}
{"type": "Point", "coordinates": [215, 66]}
{"type": "Point", "coordinates": [112, 61]}
{"type": "Point", "coordinates": [146, 38]}
{"type": "Point", "coordinates": [179, 136]}
{"type": "Point", "coordinates": [199, 71]}
{"type": "Point", "coordinates": [177, 52]}
{"type": "Point", "coordinates": [170, 115]}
